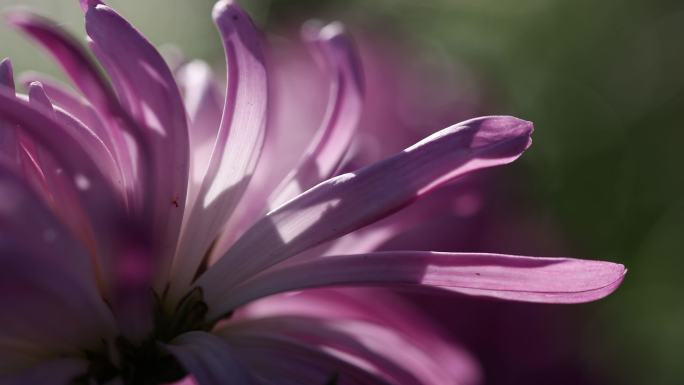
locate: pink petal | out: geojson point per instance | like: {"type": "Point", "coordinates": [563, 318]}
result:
{"type": "Point", "coordinates": [63, 98]}
{"type": "Point", "coordinates": [284, 360]}
{"type": "Point", "coordinates": [84, 73]}
{"type": "Point", "coordinates": [68, 53]}
{"type": "Point", "coordinates": [530, 279]}
{"type": "Point", "coordinates": [428, 354]}
{"type": "Point", "coordinates": [153, 99]}
{"type": "Point", "coordinates": [351, 201]}
{"type": "Point", "coordinates": [330, 144]}
{"type": "Point", "coordinates": [204, 103]}
{"type": "Point", "coordinates": [34, 283]}
{"type": "Point", "coordinates": [38, 167]}
{"type": "Point", "coordinates": [98, 152]}
{"type": "Point", "coordinates": [6, 74]}
{"type": "Point", "coordinates": [57, 140]}
{"type": "Point", "coordinates": [380, 307]}
{"type": "Point", "coordinates": [374, 347]}
{"type": "Point", "coordinates": [209, 359]}
{"type": "Point", "coordinates": [238, 145]}
{"type": "Point", "coordinates": [8, 137]}
{"type": "Point", "coordinates": [90, 204]}
{"type": "Point", "coordinates": [188, 380]}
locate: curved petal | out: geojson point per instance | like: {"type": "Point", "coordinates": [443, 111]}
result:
{"type": "Point", "coordinates": [405, 339]}
{"type": "Point", "coordinates": [44, 271]}
{"type": "Point", "coordinates": [99, 197]}
{"type": "Point", "coordinates": [238, 145]}
{"type": "Point", "coordinates": [89, 141]}
{"type": "Point", "coordinates": [63, 98]}
{"type": "Point", "coordinates": [529, 279]}
{"type": "Point", "coordinates": [38, 167]}
{"type": "Point", "coordinates": [6, 74]}
{"type": "Point", "coordinates": [153, 99]}
{"type": "Point", "coordinates": [209, 359]}
{"type": "Point", "coordinates": [330, 144]}
{"type": "Point", "coordinates": [90, 204]}
{"type": "Point", "coordinates": [351, 201]}
{"type": "Point", "coordinates": [8, 135]}
{"type": "Point", "coordinates": [380, 350]}
{"type": "Point", "coordinates": [204, 103]}
{"type": "Point", "coordinates": [69, 54]}
{"type": "Point", "coordinates": [284, 360]}
{"type": "Point", "coordinates": [84, 73]}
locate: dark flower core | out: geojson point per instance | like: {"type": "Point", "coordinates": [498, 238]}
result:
{"type": "Point", "coordinates": [144, 364]}
{"type": "Point", "coordinates": [148, 362]}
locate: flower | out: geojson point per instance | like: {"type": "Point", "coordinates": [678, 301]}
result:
{"type": "Point", "coordinates": [131, 247]}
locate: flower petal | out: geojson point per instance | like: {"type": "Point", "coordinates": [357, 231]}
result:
{"type": "Point", "coordinates": [330, 144]}
{"type": "Point", "coordinates": [69, 54]}
{"type": "Point", "coordinates": [8, 137]}
{"type": "Point", "coordinates": [529, 279]}
{"type": "Point", "coordinates": [6, 74]}
{"type": "Point", "coordinates": [98, 152]}
{"type": "Point", "coordinates": [238, 145]}
{"type": "Point", "coordinates": [34, 283]}
{"type": "Point", "coordinates": [84, 73]}
{"type": "Point", "coordinates": [90, 205]}
{"type": "Point", "coordinates": [63, 98]}
{"type": "Point", "coordinates": [404, 339]}
{"type": "Point", "coordinates": [204, 103]}
{"type": "Point", "coordinates": [351, 201]}
{"type": "Point", "coordinates": [379, 349]}
{"type": "Point", "coordinates": [98, 196]}
{"type": "Point", "coordinates": [209, 359]}
{"type": "Point", "coordinates": [287, 361]}
{"type": "Point", "coordinates": [153, 99]}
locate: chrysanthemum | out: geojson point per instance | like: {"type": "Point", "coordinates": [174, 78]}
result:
{"type": "Point", "coordinates": [138, 245]}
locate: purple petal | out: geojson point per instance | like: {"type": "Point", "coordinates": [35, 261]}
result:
{"type": "Point", "coordinates": [89, 141]}
{"type": "Point", "coordinates": [8, 136]}
{"type": "Point", "coordinates": [287, 361]}
{"type": "Point", "coordinates": [34, 283]}
{"type": "Point", "coordinates": [238, 145]}
{"type": "Point", "coordinates": [204, 103]}
{"type": "Point", "coordinates": [209, 359]}
{"type": "Point", "coordinates": [6, 74]}
{"type": "Point", "coordinates": [84, 73]}
{"type": "Point", "coordinates": [153, 99]}
{"type": "Point", "coordinates": [330, 144]}
{"type": "Point", "coordinates": [529, 279]}
{"type": "Point", "coordinates": [405, 340]}
{"type": "Point", "coordinates": [68, 53]}
{"type": "Point", "coordinates": [35, 126]}
{"type": "Point", "coordinates": [63, 98]}
{"type": "Point", "coordinates": [37, 94]}
{"type": "Point", "coordinates": [88, 201]}
{"type": "Point", "coordinates": [351, 201]}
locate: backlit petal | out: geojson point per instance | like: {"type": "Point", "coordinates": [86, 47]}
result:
{"type": "Point", "coordinates": [350, 201]}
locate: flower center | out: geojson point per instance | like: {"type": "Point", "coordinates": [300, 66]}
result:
{"type": "Point", "coordinates": [189, 314]}
{"type": "Point", "coordinates": [141, 364]}
{"type": "Point", "coordinates": [148, 362]}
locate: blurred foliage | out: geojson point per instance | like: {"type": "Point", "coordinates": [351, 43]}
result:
{"type": "Point", "coordinates": [602, 80]}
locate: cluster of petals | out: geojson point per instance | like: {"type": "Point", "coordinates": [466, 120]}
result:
{"type": "Point", "coordinates": [138, 215]}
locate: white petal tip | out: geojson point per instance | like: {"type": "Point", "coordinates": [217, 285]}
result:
{"type": "Point", "coordinates": [226, 8]}
{"type": "Point", "coordinates": [332, 30]}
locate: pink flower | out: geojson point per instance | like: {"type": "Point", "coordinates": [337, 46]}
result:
{"type": "Point", "coordinates": [142, 243]}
